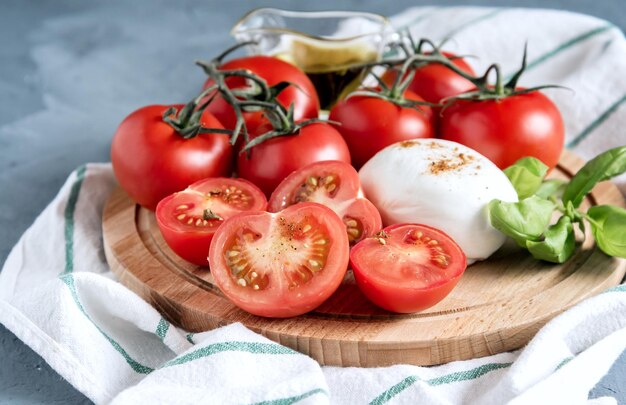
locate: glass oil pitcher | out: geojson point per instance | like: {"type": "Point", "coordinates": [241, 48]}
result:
{"type": "Point", "coordinates": [326, 45]}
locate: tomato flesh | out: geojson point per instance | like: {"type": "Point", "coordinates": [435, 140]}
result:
{"type": "Point", "coordinates": [188, 219]}
{"type": "Point", "coordinates": [336, 185]}
{"type": "Point", "coordinates": [408, 267]}
{"type": "Point", "coordinates": [280, 264]}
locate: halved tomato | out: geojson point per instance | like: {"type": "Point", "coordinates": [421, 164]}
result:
{"type": "Point", "coordinates": [188, 219]}
{"type": "Point", "coordinates": [280, 264]}
{"type": "Point", "coordinates": [336, 185]}
{"type": "Point", "coordinates": [407, 267]}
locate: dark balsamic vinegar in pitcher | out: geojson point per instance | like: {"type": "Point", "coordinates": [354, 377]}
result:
{"type": "Point", "coordinates": [333, 69]}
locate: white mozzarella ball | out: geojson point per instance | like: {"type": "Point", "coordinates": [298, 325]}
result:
{"type": "Point", "coordinates": [442, 184]}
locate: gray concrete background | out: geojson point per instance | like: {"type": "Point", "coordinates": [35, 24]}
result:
{"type": "Point", "coordinates": [34, 165]}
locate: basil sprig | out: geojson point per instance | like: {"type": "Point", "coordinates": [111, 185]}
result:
{"type": "Point", "coordinates": [529, 223]}
{"type": "Point", "coordinates": [608, 225]}
{"type": "Point", "coordinates": [522, 221]}
{"type": "Point", "coordinates": [526, 175]}
{"type": "Point", "coordinates": [603, 167]}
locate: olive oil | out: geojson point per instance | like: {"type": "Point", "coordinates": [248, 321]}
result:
{"type": "Point", "coordinates": [332, 68]}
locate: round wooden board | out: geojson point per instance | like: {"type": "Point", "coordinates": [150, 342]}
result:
{"type": "Point", "coordinates": [498, 305]}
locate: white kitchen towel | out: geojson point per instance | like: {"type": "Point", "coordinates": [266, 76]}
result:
{"type": "Point", "coordinates": [58, 295]}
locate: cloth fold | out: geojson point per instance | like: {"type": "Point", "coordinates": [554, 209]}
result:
{"type": "Point", "coordinates": [58, 295]}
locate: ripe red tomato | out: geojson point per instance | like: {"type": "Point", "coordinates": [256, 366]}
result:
{"type": "Point", "coordinates": [434, 82]}
{"type": "Point", "coordinates": [151, 160]}
{"type": "Point", "coordinates": [507, 129]}
{"type": "Point", "coordinates": [283, 264]}
{"type": "Point", "coordinates": [335, 185]}
{"type": "Point", "coordinates": [271, 161]}
{"type": "Point", "coordinates": [369, 124]}
{"type": "Point", "coordinates": [302, 93]}
{"type": "Point", "coordinates": [188, 219]}
{"type": "Point", "coordinates": [408, 268]}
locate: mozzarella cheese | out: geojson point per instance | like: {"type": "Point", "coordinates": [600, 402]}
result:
{"type": "Point", "coordinates": [442, 184]}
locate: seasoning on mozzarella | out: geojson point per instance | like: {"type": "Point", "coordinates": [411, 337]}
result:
{"type": "Point", "coordinates": [442, 184]}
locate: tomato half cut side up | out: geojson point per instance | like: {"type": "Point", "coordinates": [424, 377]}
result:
{"type": "Point", "coordinates": [407, 267]}
{"type": "Point", "coordinates": [280, 264]}
{"type": "Point", "coordinates": [336, 185]}
{"type": "Point", "coordinates": [188, 219]}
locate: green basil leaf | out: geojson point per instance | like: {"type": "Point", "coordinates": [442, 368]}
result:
{"type": "Point", "coordinates": [551, 188]}
{"type": "Point", "coordinates": [558, 242]}
{"type": "Point", "coordinates": [603, 167]}
{"type": "Point", "coordinates": [526, 175]}
{"type": "Point", "coordinates": [608, 225]}
{"type": "Point", "coordinates": [522, 221]}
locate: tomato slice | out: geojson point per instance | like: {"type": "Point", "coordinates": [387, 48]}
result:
{"type": "Point", "coordinates": [407, 267]}
{"type": "Point", "coordinates": [280, 264]}
{"type": "Point", "coordinates": [188, 219]}
{"type": "Point", "coordinates": [336, 185]}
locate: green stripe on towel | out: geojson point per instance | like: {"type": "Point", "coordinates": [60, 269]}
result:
{"type": "Point", "coordinates": [394, 390]}
{"type": "Point", "coordinates": [70, 208]}
{"type": "Point", "coordinates": [162, 328]}
{"type": "Point", "coordinates": [292, 400]}
{"type": "Point", "coordinates": [445, 379]}
{"type": "Point", "coordinates": [564, 362]}
{"type": "Point", "coordinates": [451, 33]}
{"type": "Point", "coordinates": [249, 347]}
{"type": "Point", "coordinates": [68, 279]}
{"type": "Point", "coordinates": [618, 288]}
{"type": "Point", "coordinates": [468, 375]}
{"type": "Point", "coordinates": [596, 123]}
{"type": "Point", "coordinates": [67, 275]}
{"type": "Point", "coordinates": [568, 44]}
{"type": "Point", "coordinates": [564, 46]}
{"type": "Point", "coordinates": [475, 21]}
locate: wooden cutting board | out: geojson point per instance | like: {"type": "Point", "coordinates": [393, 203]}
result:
{"type": "Point", "coordinates": [497, 306]}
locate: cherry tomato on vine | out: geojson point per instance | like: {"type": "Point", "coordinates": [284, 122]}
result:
{"type": "Point", "coordinates": [280, 264]}
{"type": "Point", "coordinates": [335, 185]}
{"type": "Point", "coordinates": [188, 219]}
{"type": "Point", "coordinates": [369, 123]}
{"type": "Point", "coordinates": [507, 129]}
{"type": "Point", "coordinates": [301, 93]}
{"type": "Point", "coordinates": [434, 82]}
{"type": "Point", "coordinates": [152, 160]}
{"type": "Point", "coordinates": [269, 162]}
{"type": "Point", "coordinates": [407, 267]}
